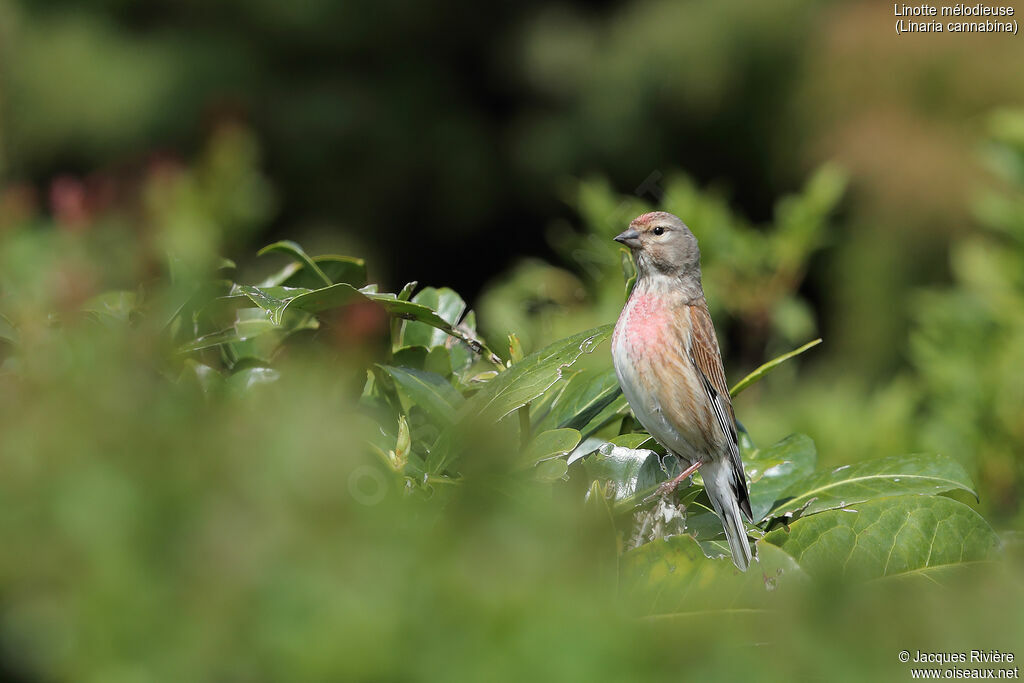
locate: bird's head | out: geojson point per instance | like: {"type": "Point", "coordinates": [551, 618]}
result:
{"type": "Point", "coordinates": [662, 245]}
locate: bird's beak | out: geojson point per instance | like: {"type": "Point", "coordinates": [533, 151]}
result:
{"type": "Point", "coordinates": [631, 238]}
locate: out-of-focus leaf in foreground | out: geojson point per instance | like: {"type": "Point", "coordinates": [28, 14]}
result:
{"type": "Point", "coordinates": [674, 578]}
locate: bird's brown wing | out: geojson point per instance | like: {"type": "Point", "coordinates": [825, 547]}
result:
{"type": "Point", "coordinates": [707, 359]}
{"type": "Point", "coordinates": [705, 353]}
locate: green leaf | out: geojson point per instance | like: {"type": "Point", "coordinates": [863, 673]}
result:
{"type": "Point", "coordinates": [209, 341]}
{"type": "Point", "coordinates": [273, 305]}
{"type": "Point", "coordinates": [534, 375]}
{"type": "Point", "coordinates": [551, 444]}
{"type": "Point", "coordinates": [410, 310]}
{"type": "Point", "coordinates": [250, 377]}
{"type": "Point", "coordinates": [438, 361]}
{"type": "Point", "coordinates": [346, 269]}
{"type": "Point", "coordinates": [296, 252]}
{"type": "Point", "coordinates": [447, 304]}
{"type": "Point", "coordinates": [920, 474]}
{"type": "Point", "coordinates": [279, 300]}
{"type": "Point", "coordinates": [888, 537]}
{"type": "Point", "coordinates": [634, 440]}
{"type": "Point", "coordinates": [325, 299]}
{"type": "Point", "coordinates": [629, 469]}
{"type": "Point", "coordinates": [756, 375]}
{"type": "Point", "coordinates": [550, 470]}
{"type": "Point", "coordinates": [429, 391]}
{"type": "Point", "coordinates": [673, 577]}
{"type": "Point", "coordinates": [462, 355]}
{"type": "Point", "coordinates": [617, 408]}
{"type": "Point", "coordinates": [407, 290]}
{"type": "Point", "coordinates": [251, 324]}
{"type": "Point", "coordinates": [773, 470]}
{"type": "Point", "coordinates": [202, 375]}
{"type": "Point", "coordinates": [410, 357]}
{"type": "Point", "coordinates": [585, 395]}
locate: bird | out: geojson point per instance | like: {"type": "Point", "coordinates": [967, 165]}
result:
{"type": "Point", "coordinates": [669, 366]}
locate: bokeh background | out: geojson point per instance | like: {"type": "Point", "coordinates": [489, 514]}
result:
{"type": "Point", "coordinates": [490, 149]}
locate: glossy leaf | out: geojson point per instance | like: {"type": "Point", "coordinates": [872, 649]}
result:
{"type": "Point", "coordinates": [534, 375]}
{"type": "Point", "coordinates": [550, 470]}
{"type": "Point", "coordinates": [324, 299]}
{"type": "Point", "coordinates": [410, 357]}
{"type": "Point", "coordinates": [250, 377]}
{"type": "Point", "coordinates": [634, 440]}
{"type": "Point", "coordinates": [629, 470]}
{"type": "Point", "coordinates": [429, 391]}
{"type": "Point", "coordinates": [208, 341]}
{"type": "Point", "coordinates": [585, 395]}
{"type": "Point", "coordinates": [410, 310]}
{"type": "Point", "coordinates": [585, 448]}
{"type": "Point", "coordinates": [447, 304]}
{"type": "Point", "coordinates": [773, 470]}
{"type": "Point", "coordinates": [896, 475]}
{"type": "Point", "coordinates": [617, 408]}
{"type": "Point", "coordinates": [277, 301]}
{"type": "Point", "coordinates": [888, 537]}
{"type": "Point", "coordinates": [346, 269]}
{"type": "Point", "coordinates": [296, 252]}
{"type": "Point", "coordinates": [273, 303]}
{"type": "Point", "coordinates": [406, 292]}
{"type": "Point", "coordinates": [202, 375]}
{"type": "Point", "coordinates": [551, 444]}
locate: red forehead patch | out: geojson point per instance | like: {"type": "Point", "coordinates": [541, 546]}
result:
{"type": "Point", "coordinates": [648, 218]}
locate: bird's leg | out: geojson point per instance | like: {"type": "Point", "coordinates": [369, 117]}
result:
{"type": "Point", "coordinates": [669, 486]}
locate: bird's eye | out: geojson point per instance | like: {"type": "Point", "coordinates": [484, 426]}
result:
{"type": "Point", "coordinates": [659, 231]}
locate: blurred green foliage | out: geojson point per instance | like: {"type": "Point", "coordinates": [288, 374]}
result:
{"type": "Point", "coordinates": [960, 395]}
{"type": "Point", "coordinates": [967, 344]}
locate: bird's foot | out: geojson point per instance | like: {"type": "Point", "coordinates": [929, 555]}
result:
{"type": "Point", "coordinates": [666, 489]}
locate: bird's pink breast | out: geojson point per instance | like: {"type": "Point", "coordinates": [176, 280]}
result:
{"type": "Point", "coordinates": [646, 325]}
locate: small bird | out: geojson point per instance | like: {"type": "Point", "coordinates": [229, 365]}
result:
{"type": "Point", "coordinates": [667, 360]}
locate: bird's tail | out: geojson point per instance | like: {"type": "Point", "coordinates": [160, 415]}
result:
{"type": "Point", "coordinates": [728, 491]}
